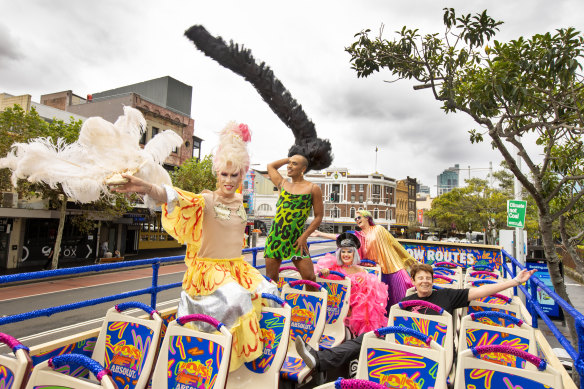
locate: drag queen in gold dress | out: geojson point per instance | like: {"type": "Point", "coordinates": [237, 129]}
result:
{"type": "Point", "coordinates": [218, 281]}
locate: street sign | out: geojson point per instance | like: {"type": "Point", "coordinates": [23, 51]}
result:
{"type": "Point", "coordinates": [516, 213]}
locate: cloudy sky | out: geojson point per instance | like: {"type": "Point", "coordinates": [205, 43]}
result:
{"type": "Point", "coordinates": [92, 46]}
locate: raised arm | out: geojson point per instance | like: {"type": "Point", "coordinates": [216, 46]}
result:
{"type": "Point", "coordinates": [273, 173]}
{"type": "Point", "coordinates": [489, 289]}
{"type": "Point", "coordinates": [140, 186]}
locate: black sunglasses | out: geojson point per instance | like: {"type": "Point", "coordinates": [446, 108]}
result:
{"type": "Point", "coordinates": [358, 218]}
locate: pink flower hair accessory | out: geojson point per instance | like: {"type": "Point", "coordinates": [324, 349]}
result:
{"type": "Point", "coordinates": [243, 132]}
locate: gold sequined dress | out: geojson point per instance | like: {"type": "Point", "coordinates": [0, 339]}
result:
{"type": "Point", "coordinates": [218, 281]}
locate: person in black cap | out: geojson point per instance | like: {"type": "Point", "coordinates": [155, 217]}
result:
{"type": "Point", "coordinates": [368, 293]}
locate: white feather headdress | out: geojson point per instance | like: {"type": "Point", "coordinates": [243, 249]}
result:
{"type": "Point", "coordinates": [102, 151]}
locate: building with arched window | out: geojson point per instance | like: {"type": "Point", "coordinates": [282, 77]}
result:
{"type": "Point", "coordinates": [345, 193]}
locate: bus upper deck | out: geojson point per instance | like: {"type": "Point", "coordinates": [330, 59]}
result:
{"type": "Point", "coordinates": [195, 372]}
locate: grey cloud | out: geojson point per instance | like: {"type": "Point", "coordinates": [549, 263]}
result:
{"type": "Point", "coordinates": [368, 98]}
{"type": "Point", "coordinates": [9, 47]}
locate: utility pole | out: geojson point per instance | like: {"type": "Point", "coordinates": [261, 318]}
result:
{"type": "Point", "coordinates": [519, 243]}
{"type": "Point", "coordinates": [376, 149]}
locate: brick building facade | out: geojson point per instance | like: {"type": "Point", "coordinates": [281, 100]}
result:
{"type": "Point", "coordinates": [344, 194]}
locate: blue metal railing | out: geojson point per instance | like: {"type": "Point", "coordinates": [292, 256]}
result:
{"type": "Point", "coordinates": [535, 310]}
{"type": "Point", "coordinates": [152, 290]}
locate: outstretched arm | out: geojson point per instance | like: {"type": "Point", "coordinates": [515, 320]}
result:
{"type": "Point", "coordinates": [318, 214]}
{"type": "Point", "coordinates": [138, 185]}
{"type": "Point", "coordinates": [489, 289]}
{"type": "Point", "coordinates": [326, 235]}
{"type": "Point", "coordinates": [273, 173]}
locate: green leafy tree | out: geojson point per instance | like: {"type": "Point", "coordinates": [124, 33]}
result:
{"type": "Point", "coordinates": [480, 206]}
{"type": "Point", "coordinates": [569, 225]}
{"type": "Point", "coordinates": [17, 126]}
{"type": "Point", "coordinates": [195, 175]}
{"type": "Point", "coordinates": [475, 206]}
{"type": "Point", "coordinates": [524, 86]}
{"type": "Point", "coordinates": [504, 179]}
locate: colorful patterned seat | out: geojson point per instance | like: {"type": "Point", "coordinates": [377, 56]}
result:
{"type": "Point", "coordinates": [339, 294]}
{"type": "Point", "coordinates": [308, 321]}
{"type": "Point", "coordinates": [53, 373]}
{"type": "Point", "coordinates": [457, 268]}
{"type": "Point", "coordinates": [287, 274]}
{"type": "Point", "coordinates": [342, 383]}
{"type": "Point", "coordinates": [14, 372]}
{"type": "Point", "coordinates": [481, 275]}
{"type": "Point", "coordinates": [489, 269]}
{"type": "Point", "coordinates": [127, 345]}
{"type": "Point", "coordinates": [371, 267]}
{"type": "Point", "coordinates": [192, 358]}
{"type": "Point", "coordinates": [447, 282]}
{"type": "Point", "coordinates": [397, 365]}
{"type": "Point", "coordinates": [439, 327]}
{"type": "Point", "coordinates": [264, 372]}
{"type": "Point", "coordinates": [497, 328]}
{"type": "Point", "coordinates": [474, 372]}
{"type": "Point", "coordinates": [496, 302]}
{"type": "Point", "coordinates": [452, 272]}
{"type": "Point", "coordinates": [457, 312]}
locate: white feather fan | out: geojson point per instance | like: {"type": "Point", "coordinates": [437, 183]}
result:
{"type": "Point", "coordinates": [102, 151]}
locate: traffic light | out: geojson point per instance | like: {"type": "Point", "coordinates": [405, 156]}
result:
{"type": "Point", "coordinates": [334, 198]}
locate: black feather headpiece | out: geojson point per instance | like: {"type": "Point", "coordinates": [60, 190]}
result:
{"type": "Point", "coordinates": [240, 60]}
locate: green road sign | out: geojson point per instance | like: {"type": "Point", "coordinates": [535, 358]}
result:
{"type": "Point", "coordinates": [516, 213]}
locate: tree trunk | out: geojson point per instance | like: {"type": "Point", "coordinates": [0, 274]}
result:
{"type": "Point", "coordinates": [571, 247]}
{"type": "Point", "coordinates": [553, 263]}
{"type": "Point", "coordinates": [57, 249]}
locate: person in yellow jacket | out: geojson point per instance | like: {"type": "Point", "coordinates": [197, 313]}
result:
{"type": "Point", "coordinates": [378, 245]}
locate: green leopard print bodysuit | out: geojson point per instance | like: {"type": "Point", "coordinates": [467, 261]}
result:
{"type": "Point", "coordinates": [292, 210]}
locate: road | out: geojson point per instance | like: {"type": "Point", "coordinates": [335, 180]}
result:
{"type": "Point", "coordinates": [44, 294]}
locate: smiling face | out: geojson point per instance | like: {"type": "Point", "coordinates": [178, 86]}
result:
{"type": "Point", "coordinates": [362, 221]}
{"type": "Point", "coordinates": [347, 256]}
{"type": "Point", "coordinates": [228, 180]}
{"type": "Point", "coordinates": [423, 283]}
{"type": "Point", "coordinates": [296, 166]}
